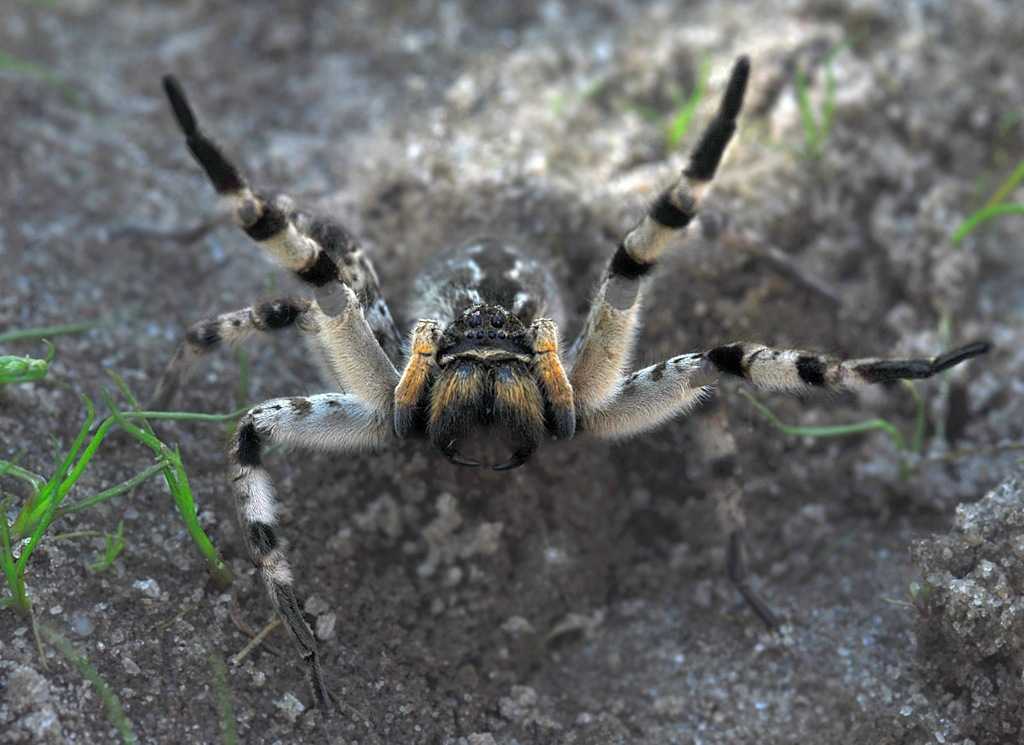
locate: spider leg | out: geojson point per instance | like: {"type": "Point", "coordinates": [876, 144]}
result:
{"type": "Point", "coordinates": [320, 252]}
{"type": "Point", "coordinates": [717, 448]}
{"type": "Point", "coordinates": [325, 422]}
{"type": "Point", "coordinates": [654, 395]}
{"type": "Point", "coordinates": [344, 343]}
{"type": "Point", "coordinates": [673, 388]}
{"type": "Point", "coordinates": [650, 397]}
{"type": "Point", "coordinates": [601, 353]}
{"type": "Point", "coordinates": [233, 328]}
{"type": "Point", "coordinates": [795, 370]}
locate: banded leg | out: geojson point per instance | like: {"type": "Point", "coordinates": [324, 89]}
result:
{"type": "Point", "coordinates": [652, 396]}
{"type": "Point", "coordinates": [208, 335]}
{"type": "Point", "coordinates": [352, 351]}
{"type": "Point", "coordinates": [673, 388]}
{"type": "Point", "coordinates": [328, 422]}
{"type": "Point", "coordinates": [795, 370]}
{"type": "Point", "coordinates": [717, 448]}
{"type": "Point", "coordinates": [600, 354]}
{"type": "Point", "coordinates": [319, 251]}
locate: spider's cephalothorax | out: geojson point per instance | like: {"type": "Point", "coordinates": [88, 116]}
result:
{"type": "Point", "coordinates": [486, 357]}
{"type": "Point", "coordinates": [485, 368]}
{"type": "Point", "coordinates": [484, 382]}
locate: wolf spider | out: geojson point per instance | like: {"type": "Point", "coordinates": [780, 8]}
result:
{"type": "Point", "coordinates": [487, 356]}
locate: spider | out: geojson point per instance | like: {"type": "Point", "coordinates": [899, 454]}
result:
{"type": "Point", "coordinates": [486, 362]}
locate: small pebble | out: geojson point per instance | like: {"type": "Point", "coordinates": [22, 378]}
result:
{"type": "Point", "coordinates": [147, 587]}
{"type": "Point", "coordinates": [315, 605]}
{"type": "Point", "coordinates": [325, 626]}
{"type": "Point", "coordinates": [290, 707]}
{"type": "Point", "coordinates": [81, 625]}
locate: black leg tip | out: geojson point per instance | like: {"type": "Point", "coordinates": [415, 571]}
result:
{"type": "Point", "coordinates": [954, 357]}
{"type": "Point", "coordinates": [179, 104]}
{"type": "Point", "coordinates": [732, 101]}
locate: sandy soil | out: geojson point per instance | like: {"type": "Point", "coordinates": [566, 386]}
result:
{"type": "Point", "coordinates": [581, 599]}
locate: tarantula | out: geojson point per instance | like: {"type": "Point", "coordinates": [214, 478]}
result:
{"type": "Point", "coordinates": [488, 361]}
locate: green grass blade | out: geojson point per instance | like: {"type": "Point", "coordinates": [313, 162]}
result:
{"type": "Point", "coordinates": [920, 418]}
{"type": "Point", "coordinates": [8, 468]}
{"type": "Point", "coordinates": [225, 707]}
{"type": "Point", "coordinates": [34, 510]}
{"type": "Point", "coordinates": [1007, 186]}
{"type": "Point", "coordinates": [114, 546]}
{"type": "Point", "coordinates": [187, 509]}
{"type": "Point", "coordinates": [53, 493]}
{"type": "Point", "coordinates": [48, 331]}
{"type": "Point", "coordinates": [807, 118]}
{"type": "Point", "coordinates": [177, 482]}
{"type": "Point", "coordinates": [184, 416]}
{"type": "Point", "coordinates": [8, 564]}
{"type": "Point", "coordinates": [680, 123]}
{"type": "Point", "coordinates": [114, 491]}
{"type": "Point", "coordinates": [984, 214]}
{"type": "Point", "coordinates": [85, 668]}
{"type": "Point", "coordinates": [834, 430]}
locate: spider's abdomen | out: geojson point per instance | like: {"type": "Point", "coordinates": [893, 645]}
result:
{"type": "Point", "coordinates": [486, 271]}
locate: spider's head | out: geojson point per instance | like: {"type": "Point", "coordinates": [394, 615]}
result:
{"type": "Point", "coordinates": [487, 334]}
{"type": "Point", "coordinates": [485, 374]}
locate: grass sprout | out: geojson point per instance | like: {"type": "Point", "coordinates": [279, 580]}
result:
{"type": "Point", "coordinates": [679, 124]}
{"type": "Point", "coordinates": [46, 501]}
{"type": "Point", "coordinates": [114, 547]}
{"type": "Point", "coordinates": [50, 496]}
{"type": "Point", "coordinates": [26, 369]}
{"type": "Point", "coordinates": [225, 707]}
{"type": "Point", "coordinates": [817, 124]}
{"type": "Point", "coordinates": [110, 700]}
{"type": "Point", "coordinates": [177, 481]}
{"type": "Point", "coordinates": [983, 215]}
{"type": "Point", "coordinates": [996, 206]}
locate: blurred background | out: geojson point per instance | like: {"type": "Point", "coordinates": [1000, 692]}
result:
{"type": "Point", "coordinates": [870, 206]}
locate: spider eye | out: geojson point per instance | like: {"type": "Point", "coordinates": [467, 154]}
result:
{"type": "Point", "coordinates": [475, 320]}
{"type": "Point", "coordinates": [498, 320]}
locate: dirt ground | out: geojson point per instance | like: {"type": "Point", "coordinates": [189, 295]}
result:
{"type": "Point", "coordinates": [581, 599]}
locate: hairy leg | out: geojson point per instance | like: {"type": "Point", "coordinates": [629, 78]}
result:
{"type": "Point", "coordinates": [796, 370]}
{"type": "Point", "coordinates": [327, 422]}
{"type": "Point", "coordinates": [320, 252]}
{"type": "Point", "coordinates": [208, 335]}
{"type": "Point", "coordinates": [650, 397]}
{"type": "Point", "coordinates": [601, 353]}
{"type": "Point", "coordinates": [717, 448]}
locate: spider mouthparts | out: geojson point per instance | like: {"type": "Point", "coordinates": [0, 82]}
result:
{"type": "Point", "coordinates": [454, 457]}
{"type": "Point", "coordinates": [565, 422]}
{"type": "Point", "coordinates": [403, 420]}
{"type": "Point", "coordinates": [519, 457]}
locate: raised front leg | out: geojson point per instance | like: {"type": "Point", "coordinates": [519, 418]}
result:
{"type": "Point", "coordinates": [601, 353]}
{"type": "Point", "coordinates": [319, 251]}
{"type": "Point", "coordinates": [329, 422]}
